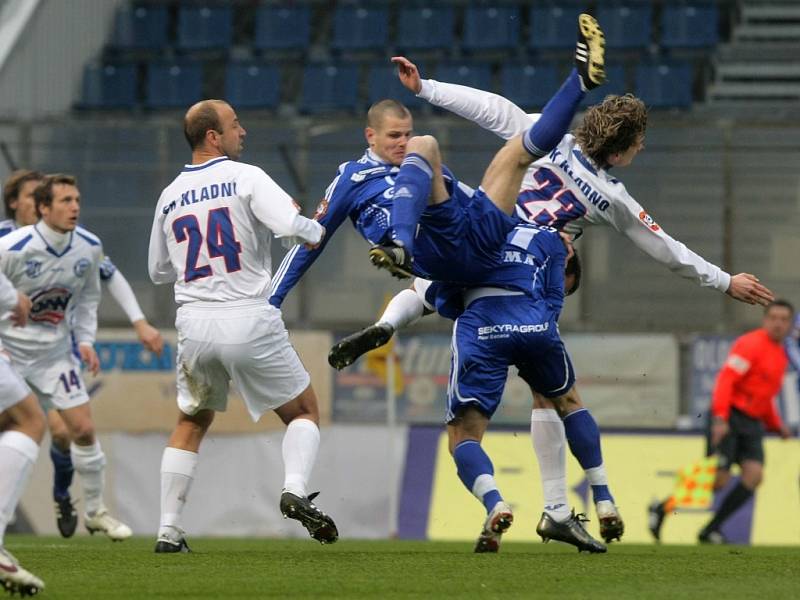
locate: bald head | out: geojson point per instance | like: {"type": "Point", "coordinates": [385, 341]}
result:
{"type": "Point", "coordinates": [200, 118]}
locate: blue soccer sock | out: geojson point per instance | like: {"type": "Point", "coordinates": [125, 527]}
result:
{"type": "Point", "coordinates": [476, 472]}
{"type": "Point", "coordinates": [412, 187]}
{"type": "Point", "coordinates": [62, 472]}
{"type": "Point", "coordinates": [556, 117]}
{"type": "Point", "coordinates": [583, 437]}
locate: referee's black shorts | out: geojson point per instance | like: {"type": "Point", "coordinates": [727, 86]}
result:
{"type": "Point", "coordinates": [745, 440]}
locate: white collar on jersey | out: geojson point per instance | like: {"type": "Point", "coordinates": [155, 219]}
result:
{"type": "Point", "coordinates": [55, 240]}
{"type": "Point", "coordinates": [374, 157]}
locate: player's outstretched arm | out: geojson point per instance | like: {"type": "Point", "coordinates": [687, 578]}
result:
{"type": "Point", "coordinates": [747, 288]}
{"type": "Point", "coordinates": [495, 113]}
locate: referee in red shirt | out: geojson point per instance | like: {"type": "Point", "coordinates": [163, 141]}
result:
{"type": "Point", "coordinates": [743, 407]}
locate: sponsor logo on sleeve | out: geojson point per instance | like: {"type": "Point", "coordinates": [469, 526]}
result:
{"type": "Point", "coordinates": [648, 221]}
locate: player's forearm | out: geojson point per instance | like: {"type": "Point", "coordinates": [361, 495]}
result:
{"type": "Point", "coordinates": [304, 230]}
{"type": "Point", "coordinates": [296, 262]}
{"type": "Point", "coordinates": [495, 113]}
{"type": "Point", "coordinates": [122, 293]}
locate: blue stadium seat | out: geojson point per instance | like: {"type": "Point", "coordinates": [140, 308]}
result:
{"type": "Point", "coordinates": [529, 86]}
{"type": "Point", "coordinates": [477, 75]}
{"type": "Point", "coordinates": [329, 87]}
{"type": "Point", "coordinates": [423, 28]}
{"type": "Point", "coordinates": [173, 84]}
{"type": "Point", "coordinates": [616, 83]}
{"type": "Point", "coordinates": [554, 27]}
{"type": "Point", "coordinates": [109, 86]}
{"type": "Point", "coordinates": [360, 28]}
{"type": "Point", "coordinates": [690, 25]}
{"type": "Point", "coordinates": [665, 84]}
{"type": "Point", "coordinates": [627, 26]}
{"type": "Point", "coordinates": [204, 27]}
{"type": "Point", "coordinates": [491, 28]}
{"type": "Point", "coordinates": [140, 27]}
{"type": "Point", "coordinates": [283, 28]}
{"type": "Point", "coordinates": [382, 82]}
{"type": "Point", "coordinates": [252, 85]}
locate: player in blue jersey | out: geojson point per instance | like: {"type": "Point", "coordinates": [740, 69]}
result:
{"type": "Point", "coordinates": [400, 182]}
{"type": "Point", "coordinates": [20, 211]}
{"type": "Point", "coordinates": [512, 319]}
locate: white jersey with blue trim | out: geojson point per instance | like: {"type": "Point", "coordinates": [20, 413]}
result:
{"type": "Point", "coordinates": [213, 229]}
{"type": "Point", "coordinates": [566, 191]}
{"type": "Point", "coordinates": [7, 226]}
{"type": "Point", "coordinates": [60, 274]}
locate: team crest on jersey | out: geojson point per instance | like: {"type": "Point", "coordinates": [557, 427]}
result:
{"type": "Point", "coordinates": [81, 267]}
{"type": "Point", "coordinates": [50, 306]}
{"type": "Point", "coordinates": [33, 268]}
{"type": "Point", "coordinates": [648, 221]}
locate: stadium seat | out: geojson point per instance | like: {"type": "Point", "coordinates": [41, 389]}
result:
{"type": "Point", "coordinates": [491, 28]}
{"type": "Point", "coordinates": [689, 25]}
{"type": "Point", "coordinates": [252, 85]}
{"type": "Point", "coordinates": [477, 75]}
{"type": "Point", "coordinates": [204, 27]}
{"type": "Point", "coordinates": [283, 28]}
{"type": "Point", "coordinates": [382, 82]}
{"type": "Point", "coordinates": [529, 86]}
{"type": "Point", "coordinates": [665, 84]}
{"type": "Point", "coordinates": [423, 28]}
{"type": "Point", "coordinates": [627, 26]}
{"type": "Point", "coordinates": [554, 27]}
{"type": "Point", "coordinates": [616, 83]}
{"type": "Point", "coordinates": [360, 28]}
{"type": "Point", "coordinates": [109, 86]}
{"type": "Point", "coordinates": [140, 27]}
{"type": "Point", "coordinates": [329, 87]}
{"type": "Point", "coordinates": [173, 84]}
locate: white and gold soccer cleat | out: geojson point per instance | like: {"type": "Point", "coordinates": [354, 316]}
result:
{"type": "Point", "coordinates": [115, 529]}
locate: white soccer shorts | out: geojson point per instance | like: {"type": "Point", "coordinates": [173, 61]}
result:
{"type": "Point", "coordinates": [245, 342]}
{"type": "Point", "coordinates": [56, 379]}
{"type": "Point", "coordinates": [13, 388]}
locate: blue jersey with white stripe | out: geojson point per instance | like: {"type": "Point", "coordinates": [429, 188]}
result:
{"type": "Point", "coordinates": [532, 261]}
{"type": "Point", "coordinates": [363, 190]}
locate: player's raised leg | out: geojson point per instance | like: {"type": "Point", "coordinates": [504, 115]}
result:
{"type": "Point", "coordinates": [19, 448]}
{"type": "Point", "coordinates": [300, 446]}
{"type": "Point", "coordinates": [418, 184]}
{"type": "Point", "coordinates": [90, 463]}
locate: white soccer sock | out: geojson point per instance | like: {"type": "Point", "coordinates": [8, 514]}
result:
{"type": "Point", "coordinates": [549, 443]}
{"type": "Point", "coordinates": [18, 453]}
{"type": "Point", "coordinates": [300, 445]}
{"type": "Point", "coordinates": [90, 464]}
{"type": "Point", "coordinates": [597, 475]}
{"type": "Point", "coordinates": [402, 310]}
{"type": "Point", "coordinates": [177, 474]}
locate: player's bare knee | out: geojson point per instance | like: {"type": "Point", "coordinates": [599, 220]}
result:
{"type": "Point", "coordinates": [303, 406]}
{"type": "Point", "coordinates": [426, 146]}
{"type": "Point", "coordinates": [83, 433]}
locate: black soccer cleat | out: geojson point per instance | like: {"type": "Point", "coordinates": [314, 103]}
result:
{"type": "Point", "coordinates": [319, 525]}
{"type": "Point", "coordinates": [590, 52]}
{"type": "Point", "coordinates": [655, 519]}
{"type": "Point", "coordinates": [393, 258]}
{"type": "Point", "coordinates": [66, 517]}
{"type": "Point", "coordinates": [166, 546]}
{"type": "Point", "coordinates": [348, 350]}
{"type": "Point", "coordinates": [570, 531]}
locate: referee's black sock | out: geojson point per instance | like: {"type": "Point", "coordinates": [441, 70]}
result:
{"type": "Point", "coordinates": [733, 502]}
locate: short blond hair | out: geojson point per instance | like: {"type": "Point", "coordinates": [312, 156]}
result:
{"type": "Point", "coordinates": [614, 125]}
{"type": "Point", "coordinates": [383, 108]}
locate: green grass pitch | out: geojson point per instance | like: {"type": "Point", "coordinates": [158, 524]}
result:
{"type": "Point", "coordinates": [85, 568]}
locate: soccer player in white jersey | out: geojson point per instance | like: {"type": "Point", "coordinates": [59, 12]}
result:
{"type": "Point", "coordinates": [57, 266]}
{"type": "Point", "coordinates": [21, 211]}
{"type": "Point", "coordinates": [211, 236]}
{"type": "Point", "coordinates": [21, 430]}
